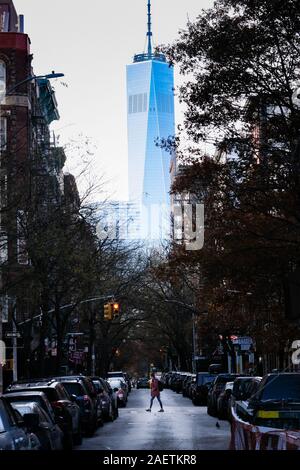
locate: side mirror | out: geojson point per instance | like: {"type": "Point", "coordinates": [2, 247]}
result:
{"type": "Point", "coordinates": [73, 397]}
{"type": "Point", "coordinates": [31, 421]}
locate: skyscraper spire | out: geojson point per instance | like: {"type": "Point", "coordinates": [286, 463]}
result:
{"type": "Point", "coordinates": [149, 33]}
{"type": "Point", "coordinates": [149, 54]}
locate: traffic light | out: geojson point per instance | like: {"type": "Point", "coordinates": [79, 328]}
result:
{"type": "Point", "coordinates": [116, 309]}
{"type": "Point", "coordinates": [108, 312]}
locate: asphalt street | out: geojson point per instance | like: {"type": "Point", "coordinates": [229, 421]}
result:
{"type": "Point", "coordinates": [183, 426]}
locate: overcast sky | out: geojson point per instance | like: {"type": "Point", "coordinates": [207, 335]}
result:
{"type": "Point", "coordinates": [91, 42]}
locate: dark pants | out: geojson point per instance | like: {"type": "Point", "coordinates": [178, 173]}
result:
{"type": "Point", "coordinates": [159, 401]}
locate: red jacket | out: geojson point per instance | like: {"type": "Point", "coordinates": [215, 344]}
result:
{"type": "Point", "coordinates": [154, 388]}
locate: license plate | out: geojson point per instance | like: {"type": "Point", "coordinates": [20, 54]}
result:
{"type": "Point", "coordinates": [268, 414]}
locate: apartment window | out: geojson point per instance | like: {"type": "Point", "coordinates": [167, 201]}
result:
{"type": "Point", "coordinates": [3, 134]}
{"type": "Point", "coordinates": [138, 103]}
{"type": "Point", "coordinates": [2, 77]}
{"type": "Point", "coordinates": [4, 18]}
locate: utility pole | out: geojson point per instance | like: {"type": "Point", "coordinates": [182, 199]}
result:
{"type": "Point", "coordinates": [194, 344]}
{"type": "Point", "coordinates": [93, 359]}
{"type": "Point", "coordinates": [15, 346]}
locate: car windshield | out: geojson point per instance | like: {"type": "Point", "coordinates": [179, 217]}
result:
{"type": "Point", "coordinates": [97, 385]}
{"type": "Point", "coordinates": [115, 383]}
{"type": "Point", "coordinates": [204, 379]}
{"type": "Point", "coordinates": [224, 379]}
{"type": "Point", "coordinates": [282, 387]}
{"type": "Point", "coordinates": [23, 407]}
{"type": "Point", "coordinates": [50, 393]}
{"type": "Point", "coordinates": [74, 388]}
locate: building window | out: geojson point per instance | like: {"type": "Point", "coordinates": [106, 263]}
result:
{"type": "Point", "coordinates": [4, 18]}
{"type": "Point", "coordinates": [2, 78]}
{"type": "Point", "coordinates": [3, 135]}
{"type": "Point", "coordinates": [130, 106]}
{"type": "Point", "coordinates": [165, 103]}
{"type": "Point", "coordinates": [138, 103]}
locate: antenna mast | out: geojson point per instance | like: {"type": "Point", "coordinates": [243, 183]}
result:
{"type": "Point", "coordinates": [149, 33]}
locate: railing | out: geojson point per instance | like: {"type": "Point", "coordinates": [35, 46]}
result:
{"type": "Point", "coordinates": [144, 57]}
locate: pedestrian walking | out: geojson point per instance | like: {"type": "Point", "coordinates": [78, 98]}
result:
{"type": "Point", "coordinates": [155, 393]}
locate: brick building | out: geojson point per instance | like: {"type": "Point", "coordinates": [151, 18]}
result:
{"type": "Point", "coordinates": [31, 173]}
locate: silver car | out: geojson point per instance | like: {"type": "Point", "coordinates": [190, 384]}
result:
{"type": "Point", "coordinates": [13, 434]}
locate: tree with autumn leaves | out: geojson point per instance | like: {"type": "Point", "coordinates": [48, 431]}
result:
{"type": "Point", "coordinates": [241, 63]}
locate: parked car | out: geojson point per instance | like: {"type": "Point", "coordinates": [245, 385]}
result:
{"type": "Point", "coordinates": [167, 378]}
{"type": "Point", "coordinates": [91, 392]}
{"type": "Point", "coordinates": [244, 388]}
{"type": "Point", "coordinates": [122, 376]}
{"type": "Point", "coordinates": [88, 412]}
{"type": "Point", "coordinates": [143, 383]}
{"type": "Point", "coordinates": [276, 404]}
{"type": "Point", "coordinates": [215, 369]}
{"type": "Point", "coordinates": [223, 401]}
{"type": "Point", "coordinates": [14, 429]}
{"type": "Point", "coordinates": [199, 390]}
{"type": "Point", "coordinates": [116, 375]}
{"type": "Point", "coordinates": [107, 401]}
{"type": "Point", "coordinates": [113, 397]}
{"type": "Point", "coordinates": [186, 384]}
{"type": "Point", "coordinates": [178, 382]}
{"type": "Point", "coordinates": [128, 381]}
{"type": "Point", "coordinates": [120, 388]}
{"type": "Point", "coordinates": [190, 386]}
{"type": "Point", "coordinates": [216, 388]}
{"type": "Point", "coordinates": [32, 396]}
{"type": "Point", "coordinates": [48, 432]}
{"type": "Point", "coordinates": [66, 411]}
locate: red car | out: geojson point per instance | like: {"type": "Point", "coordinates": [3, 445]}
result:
{"type": "Point", "coordinates": [121, 390]}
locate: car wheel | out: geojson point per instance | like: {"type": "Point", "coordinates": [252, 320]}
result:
{"type": "Point", "coordinates": [100, 423]}
{"type": "Point", "coordinates": [91, 428]}
{"type": "Point", "coordinates": [209, 410]}
{"type": "Point", "coordinates": [212, 411]}
{"type": "Point", "coordinates": [111, 414]}
{"type": "Point", "coordinates": [68, 443]}
{"type": "Point", "coordinates": [78, 438]}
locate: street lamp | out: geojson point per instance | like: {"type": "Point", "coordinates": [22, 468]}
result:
{"type": "Point", "coordinates": [48, 76]}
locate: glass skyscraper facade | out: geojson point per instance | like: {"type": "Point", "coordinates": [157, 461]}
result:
{"type": "Point", "coordinates": [151, 117]}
